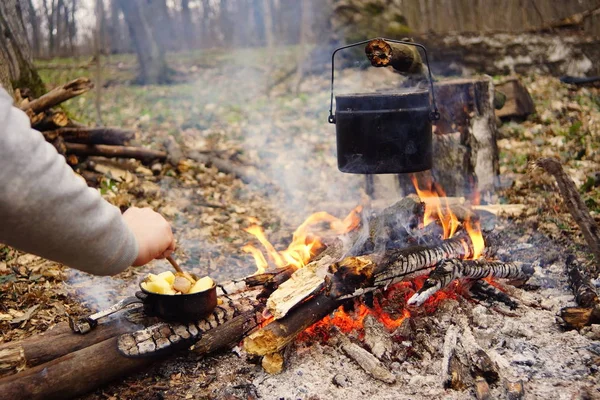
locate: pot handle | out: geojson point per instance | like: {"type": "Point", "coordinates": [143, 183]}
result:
{"type": "Point", "coordinates": [434, 115]}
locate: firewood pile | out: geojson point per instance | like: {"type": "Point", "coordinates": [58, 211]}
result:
{"type": "Point", "coordinates": [74, 140]}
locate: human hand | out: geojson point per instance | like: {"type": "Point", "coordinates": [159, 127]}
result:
{"type": "Point", "coordinates": [152, 232]}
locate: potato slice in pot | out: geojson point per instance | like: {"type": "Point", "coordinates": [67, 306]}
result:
{"type": "Point", "coordinates": [201, 285]}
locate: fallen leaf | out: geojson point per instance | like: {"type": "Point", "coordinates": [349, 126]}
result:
{"type": "Point", "coordinates": [26, 315]}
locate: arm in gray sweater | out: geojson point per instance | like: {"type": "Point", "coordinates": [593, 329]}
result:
{"type": "Point", "coordinates": [45, 209]}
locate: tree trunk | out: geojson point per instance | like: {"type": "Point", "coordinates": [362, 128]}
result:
{"type": "Point", "coordinates": [35, 29]}
{"type": "Point", "coordinates": [15, 52]}
{"type": "Point", "coordinates": [153, 68]}
{"type": "Point", "coordinates": [188, 26]}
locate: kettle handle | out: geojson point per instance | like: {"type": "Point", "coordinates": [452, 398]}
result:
{"type": "Point", "coordinates": [434, 115]}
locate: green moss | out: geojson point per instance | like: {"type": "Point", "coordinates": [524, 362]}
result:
{"type": "Point", "coordinates": [31, 80]}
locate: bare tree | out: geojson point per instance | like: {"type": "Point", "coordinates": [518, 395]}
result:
{"type": "Point", "coordinates": [151, 59]}
{"type": "Point", "coordinates": [16, 66]}
{"type": "Point", "coordinates": [188, 25]}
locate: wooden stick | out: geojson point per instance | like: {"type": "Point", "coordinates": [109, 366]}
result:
{"type": "Point", "coordinates": [58, 95]}
{"type": "Point", "coordinates": [139, 153]}
{"type": "Point", "coordinates": [575, 205]}
{"type": "Point", "coordinates": [104, 135]}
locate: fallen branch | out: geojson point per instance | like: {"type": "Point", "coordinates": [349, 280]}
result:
{"type": "Point", "coordinates": [139, 153]}
{"type": "Point", "coordinates": [104, 135]}
{"type": "Point", "coordinates": [246, 174]}
{"type": "Point", "coordinates": [575, 205]}
{"type": "Point", "coordinates": [58, 95]}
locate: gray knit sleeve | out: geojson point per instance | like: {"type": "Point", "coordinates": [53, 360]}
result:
{"type": "Point", "coordinates": [47, 210]}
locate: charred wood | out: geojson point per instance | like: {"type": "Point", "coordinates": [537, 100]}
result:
{"type": "Point", "coordinates": [140, 153]}
{"type": "Point", "coordinates": [576, 207]}
{"type": "Point", "coordinates": [514, 390]}
{"type": "Point", "coordinates": [57, 96]}
{"type": "Point", "coordinates": [482, 291]}
{"type": "Point", "coordinates": [104, 135]}
{"type": "Point", "coordinates": [450, 270]}
{"type": "Point", "coordinates": [578, 317]}
{"type": "Point", "coordinates": [367, 361]}
{"type": "Point", "coordinates": [581, 284]}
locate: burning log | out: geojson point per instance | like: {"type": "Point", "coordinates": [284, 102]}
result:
{"type": "Point", "coordinates": [279, 333]}
{"type": "Point", "coordinates": [405, 59]}
{"type": "Point", "coordinates": [450, 270]}
{"type": "Point", "coordinates": [57, 96]}
{"type": "Point", "coordinates": [576, 206]}
{"type": "Point", "coordinates": [104, 135]}
{"type": "Point", "coordinates": [103, 150]}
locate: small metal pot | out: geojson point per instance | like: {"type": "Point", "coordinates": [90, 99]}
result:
{"type": "Point", "coordinates": [182, 307]}
{"type": "Point", "coordinates": [384, 133]}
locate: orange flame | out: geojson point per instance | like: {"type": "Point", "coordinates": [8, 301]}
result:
{"type": "Point", "coordinates": [304, 245]}
{"type": "Point", "coordinates": [474, 230]}
{"type": "Point", "coordinates": [434, 209]}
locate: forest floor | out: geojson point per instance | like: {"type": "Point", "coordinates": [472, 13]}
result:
{"type": "Point", "coordinates": [220, 106]}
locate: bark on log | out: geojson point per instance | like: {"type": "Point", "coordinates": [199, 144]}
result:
{"type": "Point", "coordinates": [578, 317]}
{"type": "Point", "coordinates": [465, 139]}
{"type": "Point", "coordinates": [140, 153]}
{"type": "Point", "coordinates": [104, 135]}
{"type": "Point", "coordinates": [405, 59]}
{"type": "Point", "coordinates": [72, 374]}
{"type": "Point", "coordinates": [58, 95]}
{"type": "Point", "coordinates": [57, 342]}
{"type": "Point", "coordinates": [576, 207]}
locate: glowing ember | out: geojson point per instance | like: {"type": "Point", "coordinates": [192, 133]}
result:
{"type": "Point", "coordinates": [304, 245]}
{"type": "Point", "coordinates": [433, 196]}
